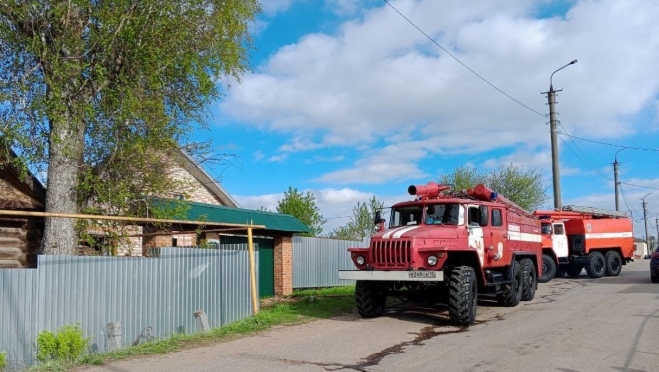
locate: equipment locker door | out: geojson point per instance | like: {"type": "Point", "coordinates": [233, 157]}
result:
{"type": "Point", "coordinates": [499, 236]}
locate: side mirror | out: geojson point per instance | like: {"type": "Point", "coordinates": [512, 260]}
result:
{"type": "Point", "coordinates": [378, 218]}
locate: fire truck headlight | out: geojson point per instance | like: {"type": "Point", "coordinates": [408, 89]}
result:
{"type": "Point", "coordinates": [432, 260]}
{"type": "Point", "coordinates": [360, 260]}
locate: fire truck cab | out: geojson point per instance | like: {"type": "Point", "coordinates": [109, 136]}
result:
{"type": "Point", "coordinates": [451, 248]}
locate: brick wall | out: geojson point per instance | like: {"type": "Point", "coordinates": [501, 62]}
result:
{"type": "Point", "coordinates": [190, 188]}
{"type": "Point", "coordinates": [283, 253]}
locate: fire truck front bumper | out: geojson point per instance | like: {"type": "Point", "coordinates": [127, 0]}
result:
{"type": "Point", "coordinates": [393, 276]}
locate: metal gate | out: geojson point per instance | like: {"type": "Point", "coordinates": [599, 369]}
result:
{"type": "Point", "coordinates": [266, 267]}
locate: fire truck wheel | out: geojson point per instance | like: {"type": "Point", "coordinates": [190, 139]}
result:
{"type": "Point", "coordinates": [596, 266]}
{"type": "Point", "coordinates": [512, 292]}
{"type": "Point", "coordinates": [462, 295]}
{"type": "Point", "coordinates": [613, 263]}
{"type": "Point", "coordinates": [548, 269]}
{"type": "Point", "coordinates": [370, 298]}
{"type": "Point", "coordinates": [529, 281]}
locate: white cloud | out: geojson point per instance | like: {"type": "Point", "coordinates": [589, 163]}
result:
{"type": "Point", "coordinates": [271, 7]}
{"type": "Point", "coordinates": [344, 7]}
{"type": "Point", "coordinates": [378, 77]}
{"type": "Point", "coordinates": [268, 201]}
{"type": "Point", "coordinates": [258, 155]}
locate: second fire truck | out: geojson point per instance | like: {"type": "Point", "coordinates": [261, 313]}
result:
{"type": "Point", "coordinates": [599, 240]}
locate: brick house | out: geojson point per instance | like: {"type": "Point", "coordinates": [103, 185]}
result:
{"type": "Point", "coordinates": [207, 200]}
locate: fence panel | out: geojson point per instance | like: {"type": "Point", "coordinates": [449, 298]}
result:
{"type": "Point", "coordinates": [18, 302]}
{"type": "Point", "coordinates": [317, 261]}
{"type": "Point", "coordinates": [152, 297]}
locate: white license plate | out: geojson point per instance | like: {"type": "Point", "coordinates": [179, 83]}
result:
{"type": "Point", "coordinates": [422, 274]}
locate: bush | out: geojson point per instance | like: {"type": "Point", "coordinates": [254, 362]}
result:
{"type": "Point", "coordinates": [67, 345]}
{"type": "Point", "coordinates": [46, 346]}
{"type": "Point", "coordinates": [3, 360]}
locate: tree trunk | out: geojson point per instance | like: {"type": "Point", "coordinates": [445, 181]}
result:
{"type": "Point", "coordinates": [66, 147]}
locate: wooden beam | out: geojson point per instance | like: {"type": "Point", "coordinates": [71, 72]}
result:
{"type": "Point", "coordinates": [126, 219]}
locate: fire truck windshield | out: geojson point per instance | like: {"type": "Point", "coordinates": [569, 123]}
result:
{"type": "Point", "coordinates": [404, 216]}
{"type": "Point", "coordinates": [433, 214]}
{"type": "Point", "coordinates": [442, 214]}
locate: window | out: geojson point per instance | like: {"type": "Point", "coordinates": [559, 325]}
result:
{"type": "Point", "coordinates": [443, 214]}
{"type": "Point", "coordinates": [558, 229]}
{"type": "Point", "coordinates": [497, 219]}
{"type": "Point", "coordinates": [546, 228]}
{"type": "Point", "coordinates": [406, 216]}
{"type": "Point", "coordinates": [474, 216]}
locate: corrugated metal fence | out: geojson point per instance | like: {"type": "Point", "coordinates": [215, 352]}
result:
{"type": "Point", "coordinates": [151, 297]}
{"type": "Point", "coordinates": [317, 261]}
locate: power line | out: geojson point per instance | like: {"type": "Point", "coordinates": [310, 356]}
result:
{"type": "Point", "coordinates": [585, 161]}
{"type": "Point", "coordinates": [462, 63]}
{"type": "Point", "coordinates": [608, 144]}
{"type": "Point", "coordinates": [645, 187]}
{"type": "Point", "coordinates": [624, 197]}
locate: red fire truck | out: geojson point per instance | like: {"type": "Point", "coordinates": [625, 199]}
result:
{"type": "Point", "coordinates": [600, 240]}
{"type": "Point", "coordinates": [449, 247]}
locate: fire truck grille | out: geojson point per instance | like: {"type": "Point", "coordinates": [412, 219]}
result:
{"type": "Point", "coordinates": [391, 253]}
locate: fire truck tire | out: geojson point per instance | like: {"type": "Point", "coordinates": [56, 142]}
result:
{"type": "Point", "coordinates": [370, 298]}
{"type": "Point", "coordinates": [596, 266]}
{"type": "Point", "coordinates": [512, 292]}
{"type": "Point", "coordinates": [548, 269]}
{"type": "Point", "coordinates": [529, 281]}
{"type": "Point", "coordinates": [613, 263]}
{"type": "Point", "coordinates": [462, 295]}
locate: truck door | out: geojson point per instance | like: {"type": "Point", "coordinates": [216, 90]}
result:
{"type": "Point", "coordinates": [499, 236]}
{"type": "Point", "coordinates": [476, 236]}
{"type": "Point", "coordinates": [559, 241]}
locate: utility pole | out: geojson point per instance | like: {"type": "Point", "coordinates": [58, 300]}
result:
{"type": "Point", "coordinates": [645, 217]}
{"type": "Point", "coordinates": [656, 220]}
{"type": "Point", "coordinates": [615, 178]}
{"type": "Point", "coordinates": [553, 122]}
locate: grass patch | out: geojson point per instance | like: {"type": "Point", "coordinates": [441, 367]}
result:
{"type": "Point", "coordinates": [302, 306]}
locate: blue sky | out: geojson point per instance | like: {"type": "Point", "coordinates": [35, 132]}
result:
{"type": "Point", "coordinates": [347, 100]}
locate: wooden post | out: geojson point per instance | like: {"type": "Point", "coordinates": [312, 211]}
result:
{"type": "Point", "coordinates": [113, 336]}
{"type": "Point", "coordinates": [252, 269]}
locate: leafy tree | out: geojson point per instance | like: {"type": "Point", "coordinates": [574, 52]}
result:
{"type": "Point", "coordinates": [101, 91]}
{"type": "Point", "coordinates": [302, 206]}
{"type": "Point", "coordinates": [522, 187]}
{"type": "Point", "coordinates": [463, 178]}
{"type": "Point", "coordinates": [361, 223]}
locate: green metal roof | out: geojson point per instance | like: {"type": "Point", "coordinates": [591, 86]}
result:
{"type": "Point", "coordinates": [217, 213]}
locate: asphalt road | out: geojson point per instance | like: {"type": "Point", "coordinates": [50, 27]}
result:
{"type": "Point", "coordinates": [607, 324]}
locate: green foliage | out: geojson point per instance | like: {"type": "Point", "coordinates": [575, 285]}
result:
{"type": "Point", "coordinates": [46, 346]}
{"type": "Point", "coordinates": [104, 100]}
{"type": "Point", "coordinates": [524, 188]}
{"type": "Point", "coordinates": [304, 208]}
{"type": "Point", "coordinates": [361, 223]}
{"type": "Point", "coordinates": [68, 344]}
{"type": "Point", "coordinates": [3, 360]}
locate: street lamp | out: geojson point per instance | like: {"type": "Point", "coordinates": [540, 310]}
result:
{"type": "Point", "coordinates": [645, 217]}
{"type": "Point", "coordinates": [554, 141]}
{"type": "Point", "coordinates": [615, 177]}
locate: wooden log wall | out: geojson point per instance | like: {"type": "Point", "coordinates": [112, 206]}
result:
{"type": "Point", "coordinates": [20, 242]}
